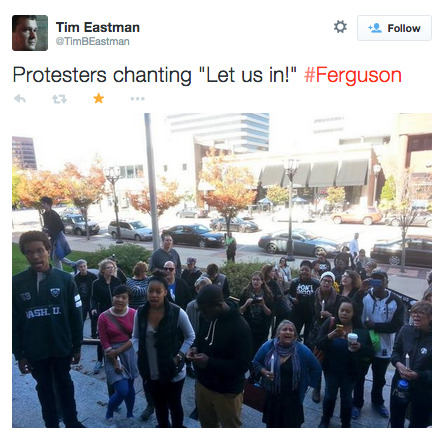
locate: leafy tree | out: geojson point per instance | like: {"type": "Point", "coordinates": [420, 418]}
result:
{"type": "Point", "coordinates": [17, 176]}
{"type": "Point", "coordinates": [336, 195]}
{"type": "Point", "coordinates": [36, 184]}
{"type": "Point", "coordinates": [277, 194]}
{"type": "Point", "coordinates": [166, 197]}
{"type": "Point", "coordinates": [388, 195]}
{"type": "Point", "coordinates": [84, 189]}
{"type": "Point", "coordinates": [232, 185]}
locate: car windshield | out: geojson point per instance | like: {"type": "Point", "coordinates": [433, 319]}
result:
{"type": "Point", "coordinates": [77, 219]}
{"type": "Point", "coordinates": [200, 229]}
{"type": "Point", "coordinates": [137, 224]}
{"type": "Point", "coordinates": [306, 234]}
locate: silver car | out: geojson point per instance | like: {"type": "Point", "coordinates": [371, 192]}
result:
{"type": "Point", "coordinates": [133, 230]}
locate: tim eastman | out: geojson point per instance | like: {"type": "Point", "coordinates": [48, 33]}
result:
{"type": "Point", "coordinates": [88, 26]}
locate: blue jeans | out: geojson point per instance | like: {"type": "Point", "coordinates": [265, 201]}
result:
{"type": "Point", "coordinates": [123, 390]}
{"type": "Point", "coordinates": [346, 384]}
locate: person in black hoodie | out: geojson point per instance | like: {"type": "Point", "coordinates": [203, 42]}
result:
{"type": "Point", "coordinates": [221, 356]}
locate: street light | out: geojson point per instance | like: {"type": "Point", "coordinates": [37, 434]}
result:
{"type": "Point", "coordinates": [290, 167]}
{"type": "Point", "coordinates": [113, 174]}
{"type": "Point", "coordinates": [376, 168]}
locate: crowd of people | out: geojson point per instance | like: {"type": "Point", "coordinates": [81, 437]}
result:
{"type": "Point", "coordinates": [166, 322]}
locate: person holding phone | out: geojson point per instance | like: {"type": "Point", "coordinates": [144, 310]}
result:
{"type": "Point", "coordinates": [256, 305]}
{"type": "Point", "coordinates": [382, 313]}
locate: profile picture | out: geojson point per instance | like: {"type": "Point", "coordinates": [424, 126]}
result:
{"type": "Point", "coordinates": [29, 32]}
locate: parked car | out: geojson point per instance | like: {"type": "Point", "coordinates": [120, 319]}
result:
{"type": "Point", "coordinates": [195, 235]}
{"type": "Point", "coordinates": [193, 212]}
{"type": "Point", "coordinates": [421, 219]}
{"type": "Point", "coordinates": [304, 243]}
{"type": "Point", "coordinates": [132, 230]}
{"type": "Point", "coordinates": [358, 214]}
{"type": "Point", "coordinates": [299, 215]}
{"type": "Point", "coordinates": [236, 224]}
{"type": "Point", "coordinates": [418, 251]}
{"type": "Point", "coordinates": [75, 224]}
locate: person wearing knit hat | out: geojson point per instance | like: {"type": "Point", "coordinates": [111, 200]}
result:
{"type": "Point", "coordinates": [191, 274]}
{"type": "Point", "coordinates": [327, 274]}
{"type": "Point", "coordinates": [326, 303]}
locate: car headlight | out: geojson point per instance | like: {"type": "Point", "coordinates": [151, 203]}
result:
{"type": "Point", "coordinates": [211, 238]}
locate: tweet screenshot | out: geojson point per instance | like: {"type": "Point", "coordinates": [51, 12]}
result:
{"type": "Point", "coordinates": [221, 213]}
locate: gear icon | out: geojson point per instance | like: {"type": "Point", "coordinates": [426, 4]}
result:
{"type": "Point", "coordinates": [340, 26]}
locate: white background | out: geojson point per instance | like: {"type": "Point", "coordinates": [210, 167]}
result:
{"type": "Point", "coordinates": [241, 34]}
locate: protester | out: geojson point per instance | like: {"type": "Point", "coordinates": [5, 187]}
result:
{"type": "Point", "coordinates": [302, 296]}
{"type": "Point", "coordinates": [412, 357]}
{"type": "Point", "coordinates": [217, 278]}
{"type": "Point", "coordinates": [284, 269]}
{"type": "Point", "coordinates": [196, 319]}
{"type": "Point", "coordinates": [163, 334]}
{"type": "Point", "coordinates": [115, 330]}
{"type": "Point", "coordinates": [324, 264]}
{"type": "Point", "coordinates": [288, 368]}
{"type": "Point", "coordinates": [383, 314]}
{"type": "Point", "coordinates": [165, 253]}
{"type": "Point", "coordinates": [341, 365]}
{"type": "Point", "coordinates": [221, 357]}
{"type": "Point", "coordinates": [325, 305]}
{"type": "Point", "coordinates": [138, 285]}
{"type": "Point", "coordinates": [190, 274]}
{"type": "Point", "coordinates": [315, 272]}
{"type": "Point", "coordinates": [101, 298]}
{"type": "Point", "coordinates": [350, 283]}
{"type": "Point", "coordinates": [84, 282]}
{"type": "Point", "coordinates": [256, 305]}
{"type": "Point", "coordinates": [178, 290]}
{"type": "Point", "coordinates": [47, 329]}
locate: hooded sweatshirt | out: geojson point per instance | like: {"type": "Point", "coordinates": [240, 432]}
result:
{"type": "Point", "coordinates": [226, 340]}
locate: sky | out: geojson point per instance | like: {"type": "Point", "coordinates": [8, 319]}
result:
{"type": "Point", "coordinates": [115, 135]}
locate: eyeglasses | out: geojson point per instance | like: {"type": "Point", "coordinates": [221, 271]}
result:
{"type": "Point", "coordinates": [170, 269]}
{"type": "Point", "coordinates": [327, 281]}
{"type": "Point", "coordinates": [418, 314]}
{"type": "Point", "coordinates": [109, 268]}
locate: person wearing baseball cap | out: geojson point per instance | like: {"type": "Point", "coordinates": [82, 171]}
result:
{"type": "Point", "coordinates": [191, 274]}
{"type": "Point", "coordinates": [383, 314]}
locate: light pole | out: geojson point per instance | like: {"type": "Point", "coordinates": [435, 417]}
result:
{"type": "Point", "coordinates": [113, 174]}
{"type": "Point", "coordinates": [290, 167]}
{"type": "Point", "coordinates": [376, 168]}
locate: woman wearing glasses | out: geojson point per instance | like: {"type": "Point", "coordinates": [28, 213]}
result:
{"type": "Point", "coordinates": [412, 356]}
{"type": "Point", "coordinates": [101, 298]}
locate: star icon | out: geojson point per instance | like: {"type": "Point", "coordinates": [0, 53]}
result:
{"type": "Point", "coordinates": [98, 98]}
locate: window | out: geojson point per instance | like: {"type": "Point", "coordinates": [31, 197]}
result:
{"type": "Point", "coordinates": [184, 167]}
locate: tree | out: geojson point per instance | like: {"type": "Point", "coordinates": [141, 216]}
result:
{"type": "Point", "coordinates": [277, 194]}
{"type": "Point", "coordinates": [388, 195]}
{"type": "Point", "coordinates": [17, 176]}
{"type": "Point", "coordinates": [36, 184]}
{"type": "Point", "coordinates": [165, 198]}
{"type": "Point", "coordinates": [84, 189]}
{"type": "Point", "coordinates": [406, 191]}
{"type": "Point", "coordinates": [336, 195]}
{"type": "Point", "coordinates": [232, 185]}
